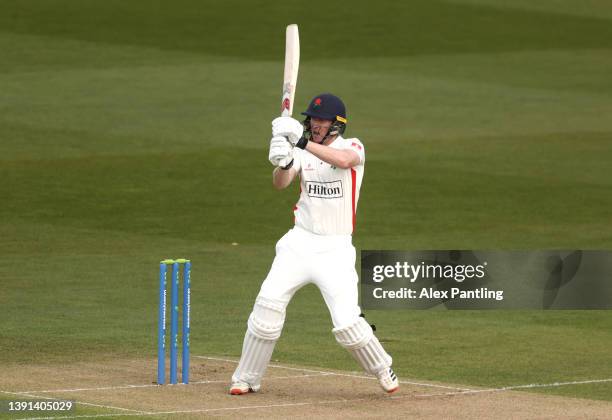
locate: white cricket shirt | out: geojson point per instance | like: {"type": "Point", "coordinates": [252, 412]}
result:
{"type": "Point", "coordinates": [328, 195]}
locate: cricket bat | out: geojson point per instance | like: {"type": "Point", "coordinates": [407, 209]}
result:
{"type": "Point", "coordinates": [292, 63]}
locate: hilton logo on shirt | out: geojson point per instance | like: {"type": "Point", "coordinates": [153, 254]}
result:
{"type": "Point", "coordinates": [324, 189]}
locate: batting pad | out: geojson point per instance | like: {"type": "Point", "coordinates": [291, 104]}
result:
{"type": "Point", "coordinates": [267, 319]}
{"type": "Point", "coordinates": [360, 341]}
{"type": "Point", "coordinates": [264, 328]}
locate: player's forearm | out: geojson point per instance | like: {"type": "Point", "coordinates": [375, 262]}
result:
{"type": "Point", "coordinates": [340, 158]}
{"type": "Point", "coordinates": [282, 178]}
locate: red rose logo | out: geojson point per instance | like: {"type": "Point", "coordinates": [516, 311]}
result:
{"type": "Point", "coordinates": [286, 104]}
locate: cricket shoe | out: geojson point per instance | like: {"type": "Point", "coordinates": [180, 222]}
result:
{"type": "Point", "coordinates": [388, 380]}
{"type": "Point", "coordinates": [240, 388]}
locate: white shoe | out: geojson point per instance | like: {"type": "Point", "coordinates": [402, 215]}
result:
{"type": "Point", "coordinates": [388, 380]}
{"type": "Point", "coordinates": [239, 388]}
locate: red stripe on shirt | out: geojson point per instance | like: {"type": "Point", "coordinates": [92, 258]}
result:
{"type": "Point", "coordinates": [354, 187]}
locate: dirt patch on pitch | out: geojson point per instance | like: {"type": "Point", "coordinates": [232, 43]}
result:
{"type": "Point", "coordinates": [127, 387]}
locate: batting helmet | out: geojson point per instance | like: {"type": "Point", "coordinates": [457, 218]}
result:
{"type": "Point", "coordinates": [327, 107]}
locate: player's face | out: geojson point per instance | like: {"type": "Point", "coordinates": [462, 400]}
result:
{"type": "Point", "coordinates": [319, 129]}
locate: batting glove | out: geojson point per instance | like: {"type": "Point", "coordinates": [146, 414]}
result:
{"type": "Point", "coordinates": [281, 152]}
{"type": "Point", "coordinates": [288, 127]}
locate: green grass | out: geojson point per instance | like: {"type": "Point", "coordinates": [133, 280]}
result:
{"type": "Point", "coordinates": [134, 131]}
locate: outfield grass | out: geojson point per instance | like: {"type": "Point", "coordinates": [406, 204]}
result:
{"type": "Point", "coordinates": [133, 131]}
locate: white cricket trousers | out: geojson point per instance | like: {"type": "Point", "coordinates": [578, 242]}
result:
{"type": "Point", "coordinates": [328, 261]}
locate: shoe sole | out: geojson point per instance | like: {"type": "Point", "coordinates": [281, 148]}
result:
{"type": "Point", "coordinates": [236, 391]}
{"type": "Point", "coordinates": [391, 391]}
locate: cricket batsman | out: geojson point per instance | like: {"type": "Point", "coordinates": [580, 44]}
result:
{"type": "Point", "coordinates": [318, 249]}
